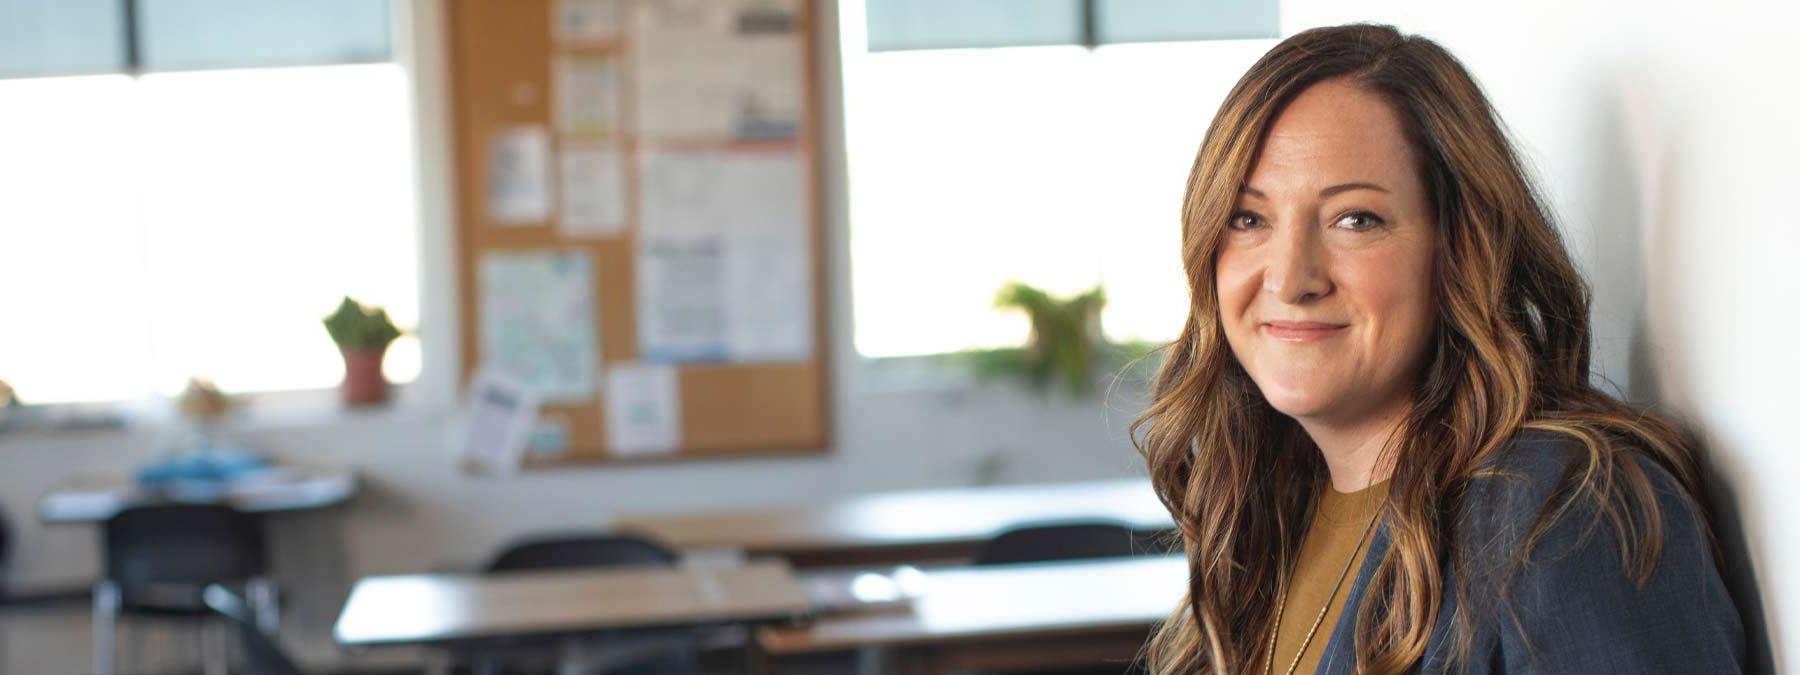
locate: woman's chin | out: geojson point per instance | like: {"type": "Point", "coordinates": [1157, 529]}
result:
{"type": "Point", "coordinates": [1301, 405]}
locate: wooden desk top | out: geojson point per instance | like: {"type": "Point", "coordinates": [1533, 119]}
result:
{"type": "Point", "coordinates": [436, 608]}
{"type": "Point", "coordinates": [975, 603]}
{"type": "Point", "coordinates": [908, 518]}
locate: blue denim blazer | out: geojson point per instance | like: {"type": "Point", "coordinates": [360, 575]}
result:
{"type": "Point", "coordinates": [1576, 610]}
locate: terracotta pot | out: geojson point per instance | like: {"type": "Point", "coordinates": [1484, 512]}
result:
{"type": "Point", "coordinates": [363, 381]}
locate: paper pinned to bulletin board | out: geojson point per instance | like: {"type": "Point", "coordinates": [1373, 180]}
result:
{"type": "Point", "coordinates": [592, 185]}
{"type": "Point", "coordinates": [711, 69]}
{"type": "Point", "coordinates": [518, 176]}
{"type": "Point", "coordinates": [723, 269]}
{"type": "Point", "coordinates": [537, 320]}
{"type": "Point", "coordinates": [588, 98]}
{"type": "Point", "coordinates": [586, 21]}
{"type": "Point", "coordinates": [681, 298]}
{"type": "Point", "coordinates": [498, 417]}
{"type": "Point", "coordinates": [643, 409]}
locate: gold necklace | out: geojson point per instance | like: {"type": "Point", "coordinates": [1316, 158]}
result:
{"type": "Point", "coordinates": [1281, 606]}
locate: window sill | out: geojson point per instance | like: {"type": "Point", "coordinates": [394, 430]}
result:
{"type": "Point", "coordinates": [254, 412]}
{"type": "Point", "coordinates": [928, 373]}
{"type": "Point", "coordinates": [949, 374]}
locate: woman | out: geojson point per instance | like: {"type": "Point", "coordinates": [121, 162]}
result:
{"type": "Point", "coordinates": [1376, 431]}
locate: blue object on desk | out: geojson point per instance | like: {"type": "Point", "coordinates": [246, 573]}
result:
{"type": "Point", "coordinates": [219, 466]}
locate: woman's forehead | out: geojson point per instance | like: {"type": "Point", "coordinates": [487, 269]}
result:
{"type": "Point", "coordinates": [1333, 132]}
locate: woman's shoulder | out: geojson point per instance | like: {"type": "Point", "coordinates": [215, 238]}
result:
{"type": "Point", "coordinates": [1540, 464]}
{"type": "Point", "coordinates": [1577, 584]}
{"type": "Point", "coordinates": [1551, 489]}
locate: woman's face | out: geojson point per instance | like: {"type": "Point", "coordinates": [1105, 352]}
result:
{"type": "Point", "coordinates": [1324, 273]}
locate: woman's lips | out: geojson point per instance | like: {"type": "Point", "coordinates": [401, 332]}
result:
{"type": "Point", "coordinates": [1302, 331]}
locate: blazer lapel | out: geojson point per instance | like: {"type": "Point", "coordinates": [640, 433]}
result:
{"type": "Point", "coordinates": [1339, 657]}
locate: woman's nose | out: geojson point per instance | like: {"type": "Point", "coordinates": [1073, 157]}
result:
{"type": "Point", "coordinates": [1295, 270]}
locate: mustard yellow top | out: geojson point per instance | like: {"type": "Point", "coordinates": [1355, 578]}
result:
{"type": "Point", "coordinates": [1337, 527]}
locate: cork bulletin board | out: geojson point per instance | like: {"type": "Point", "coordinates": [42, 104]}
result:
{"type": "Point", "coordinates": [638, 227]}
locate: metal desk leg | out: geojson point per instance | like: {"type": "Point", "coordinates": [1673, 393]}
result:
{"type": "Point", "coordinates": [571, 659]}
{"type": "Point", "coordinates": [212, 648]}
{"type": "Point", "coordinates": [871, 661]}
{"type": "Point", "coordinates": [485, 664]}
{"type": "Point", "coordinates": [263, 599]}
{"type": "Point", "coordinates": [437, 662]}
{"type": "Point", "coordinates": [106, 616]}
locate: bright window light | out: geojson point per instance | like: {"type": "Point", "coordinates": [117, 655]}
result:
{"type": "Point", "coordinates": [199, 224]}
{"type": "Point", "coordinates": [1060, 167]}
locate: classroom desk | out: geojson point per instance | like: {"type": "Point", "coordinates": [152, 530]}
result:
{"type": "Point", "coordinates": [447, 609]}
{"type": "Point", "coordinates": [97, 497]}
{"type": "Point", "coordinates": [904, 527]}
{"type": "Point", "coordinates": [1003, 617]}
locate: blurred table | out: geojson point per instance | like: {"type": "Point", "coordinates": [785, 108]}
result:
{"type": "Point", "coordinates": [283, 487]}
{"type": "Point", "coordinates": [903, 527]}
{"type": "Point", "coordinates": [446, 609]}
{"type": "Point", "coordinates": [1003, 617]}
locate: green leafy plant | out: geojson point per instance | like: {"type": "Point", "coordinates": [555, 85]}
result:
{"type": "Point", "coordinates": [355, 326]}
{"type": "Point", "coordinates": [1065, 346]}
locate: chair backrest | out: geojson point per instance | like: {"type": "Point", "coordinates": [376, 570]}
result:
{"type": "Point", "coordinates": [606, 550]}
{"type": "Point", "coordinates": [262, 655]}
{"type": "Point", "coordinates": [1047, 542]}
{"type": "Point", "coordinates": [183, 543]}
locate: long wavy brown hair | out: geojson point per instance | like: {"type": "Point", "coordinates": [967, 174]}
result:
{"type": "Point", "coordinates": [1511, 352]}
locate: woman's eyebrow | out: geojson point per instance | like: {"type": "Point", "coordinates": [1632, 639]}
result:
{"type": "Point", "coordinates": [1327, 192]}
{"type": "Point", "coordinates": [1345, 187]}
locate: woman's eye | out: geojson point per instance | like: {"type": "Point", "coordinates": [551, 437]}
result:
{"type": "Point", "coordinates": [1360, 220]}
{"type": "Point", "coordinates": [1244, 220]}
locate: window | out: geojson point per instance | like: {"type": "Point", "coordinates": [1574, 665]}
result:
{"type": "Point", "coordinates": [179, 224]}
{"type": "Point", "coordinates": [1059, 166]}
{"type": "Point", "coordinates": [957, 24]}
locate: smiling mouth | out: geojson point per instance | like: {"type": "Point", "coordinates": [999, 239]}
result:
{"type": "Point", "coordinates": [1302, 331]}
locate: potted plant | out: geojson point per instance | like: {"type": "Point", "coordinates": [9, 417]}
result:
{"type": "Point", "coordinates": [1065, 346]}
{"type": "Point", "coordinates": [362, 334]}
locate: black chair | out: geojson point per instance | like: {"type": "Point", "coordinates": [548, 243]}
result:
{"type": "Point", "coordinates": [160, 559]}
{"type": "Point", "coordinates": [1072, 540]}
{"type": "Point", "coordinates": [673, 651]}
{"type": "Point", "coordinates": [1047, 542]}
{"type": "Point", "coordinates": [262, 655]}
{"type": "Point", "coordinates": [583, 551]}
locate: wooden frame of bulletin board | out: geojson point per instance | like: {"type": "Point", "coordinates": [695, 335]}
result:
{"type": "Point", "coordinates": [641, 177]}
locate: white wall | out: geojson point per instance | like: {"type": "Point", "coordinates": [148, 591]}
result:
{"type": "Point", "coordinates": [417, 513]}
{"type": "Point", "coordinates": [1667, 135]}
